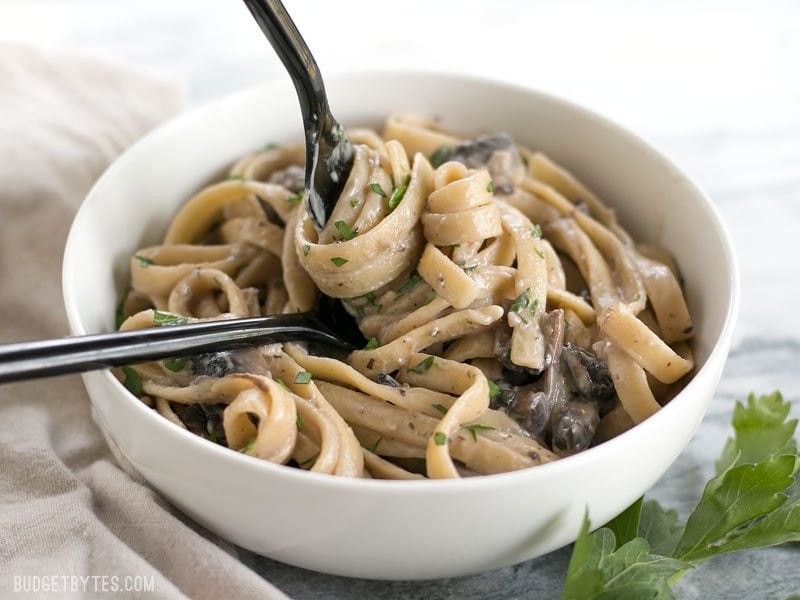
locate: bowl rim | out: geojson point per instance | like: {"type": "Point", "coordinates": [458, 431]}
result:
{"type": "Point", "coordinates": [255, 466]}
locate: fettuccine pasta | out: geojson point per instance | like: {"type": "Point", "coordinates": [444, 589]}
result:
{"type": "Point", "coordinates": [510, 320]}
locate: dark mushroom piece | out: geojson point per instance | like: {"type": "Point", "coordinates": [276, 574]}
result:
{"type": "Point", "coordinates": [293, 178]}
{"type": "Point", "coordinates": [590, 375]}
{"type": "Point", "coordinates": [220, 364]}
{"type": "Point", "coordinates": [497, 153]}
{"type": "Point", "coordinates": [574, 427]}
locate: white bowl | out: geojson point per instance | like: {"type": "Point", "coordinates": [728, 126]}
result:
{"type": "Point", "coordinates": [414, 529]}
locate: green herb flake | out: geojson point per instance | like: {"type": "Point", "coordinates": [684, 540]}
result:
{"type": "Point", "coordinates": [376, 187]}
{"type": "Point", "coordinates": [440, 438]}
{"type": "Point", "coordinates": [339, 261]}
{"type": "Point", "coordinates": [299, 422]}
{"type": "Point", "coordinates": [306, 248]}
{"type": "Point", "coordinates": [538, 252]}
{"type": "Point", "coordinates": [494, 389]}
{"type": "Point", "coordinates": [423, 366]}
{"type": "Point", "coordinates": [398, 193]}
{"type": "Point", "coordinates": [119, 313]}
{"type": "Point", "coordinates": [372, 344]}
{"type": "Point", "coordinates": [410, 284]}
{"type": "Point", "coordinates": [430, 299]}
{"type": "Point", "coordinates": [521, 302]}
{"type": "Point", "coordinates": [374, 446]}
{"type": "Point", "coordinates": [534, 306]}
{"type": "Point", "coordinates": [440, 407]}
{"type": "Point", "coordinates": [345, 231]}
{"type": "Point", "coordinates": [354, 203]}
{"type": "Point", "coordinates": [248, 446]}
{"type": "Point", "coordinates": [212, 437]}
{"type": "Point", "coordinates": [309, 460]}
{"type": "Point", "coordinates": [272, 146]}
{"type": "Point", "coordinates": [175, 364]}
{"type": "Point", "coordinates": [144, 262]}
{"type": "Point", "coordinates": [536, 232]}
{"type": "Point", "coordinates": [132, 381]}
{"type": "Point", "coordinates": [167, 320]}
{"type": "Point", "coordinates": [440, 156]}
{"type": "Point", "coordinates": [303, 377]}
{"type": "Point", "coordinates": [280, 382]}
{"type": "Point", "coordinates": [476, 427]}
{"type": "Point", "coordinates": [490, 187]}
{"type": "Point", "coordinates": [294, 199]}
{"type": "Point", "coordinates": [235, 178]}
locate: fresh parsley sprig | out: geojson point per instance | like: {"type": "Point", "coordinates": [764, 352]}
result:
{"type": "Point", "coordinates": [747, 505]}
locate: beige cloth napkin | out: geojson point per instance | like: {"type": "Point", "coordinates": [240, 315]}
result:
{"type": "Point", "coordinates": [66, 508]}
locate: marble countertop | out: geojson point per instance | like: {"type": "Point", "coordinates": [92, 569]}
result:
{"type": "Point", "coordinates": [713, 84]}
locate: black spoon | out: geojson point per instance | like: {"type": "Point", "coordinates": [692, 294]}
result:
{"type": "Point", "coordinates": [329, 154]}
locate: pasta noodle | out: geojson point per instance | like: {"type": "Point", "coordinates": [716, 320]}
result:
{"type": "Point", "coordinates": [511, 320]}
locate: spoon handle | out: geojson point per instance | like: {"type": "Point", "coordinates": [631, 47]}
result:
{"type": "Point", "coordinates": [45, 358]}
{"type": "Point", "coordinates": [329, 154]}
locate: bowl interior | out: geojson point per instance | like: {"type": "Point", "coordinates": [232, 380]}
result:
{"type": "Point", "coordinates": [132, 203]}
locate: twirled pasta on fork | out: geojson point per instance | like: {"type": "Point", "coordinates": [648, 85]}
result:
{"type": "Point", "coordinates": [511, 320]}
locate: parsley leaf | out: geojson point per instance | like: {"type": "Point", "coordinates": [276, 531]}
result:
{"type": "Point", "coordinates": [494, 389]}
{"type": "Point", "coordinates": [299, 423]}
{"type": "Point", "coordinates": [410, 284]}
{"type": "Point", "coordinates": [119, 314]}
{"type": "Point", "coordinates": [441, 408]}
{"type": "Point", "coordinates": [398, 193]}
{"type": "Point", "coordinates": [167, 320]}
{"type": "Point", "coordinates": [345, 231]}
{"type": "Point", "coordinates": [132, 381]}
{"type": "Point", "coordinates": [374, 446]}
{"type": "Point", "coordinates": [659, 527]}
{"type": "Point", "coordinates": [536, 232]}
{"type": "Point", "coordinates": [234, 178]}
{"type": "Point", "coordinates": [376, 187]}
{"type": "Point", "coordinates": [440, 156]}
{"type": "Point", "coordinates": [423, 366]}
{"type": "Point", "coordinates": [372, 343]}
{"type": "Point", "coordinates": [144, 262]}
{"type": "Point", "coordinates": [440, 438]}
{"type": "Point", "coordinates": [476, 427]}
{"type": "Point", "coordinates": [522, 301]}
{"type": "Point", "coordinates": [490, 187]}
{"type": "Point", "coordinates": [248, 446]}
{"type": "Point", "coordinates": [306, 248]}
{"type": "Point", "coordinates": [339, 261]}
{"type": "Point", "coordinates": [294, 199]}
{"type": "Point", "coordinates": [303, 377]}
{"type": "Point", "coordinates": [175, 364]}
{"type": "Point", "coordinates": [309, 460]}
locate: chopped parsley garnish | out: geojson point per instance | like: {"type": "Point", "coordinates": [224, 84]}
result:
{"type": "Point", "coordinates": [538, 252]}
{"type": "Point", "coordinates": [272, 146]}
{"type": "Point", "coordinates": [372, 344]}
{"type": "Point", "coordinates": [279, 381]}
{"type": "Point", "coordinates": [300, 424]}
{"type": "Point", "coordinates": [440, 438]}
{"type": "Point", "coordinates": [476, 427]}
{"type": "Point", "coordinates": [309, 460]}
{"type": "Point", "coordinates": [306, 248]}
{"type": "Point", "coordinates": [440, 156]}
{"type": "Point", "coordinates": [534, 306]}
{"type": "Point", "coordinates": [410, 284]}
{"type": "Point", "coordinates": [339, 261]}
{"type": "Point", "coordinates": [398, 193]}
{"type": "Point", "coordinates": [175, 364]}
{"type": "Point", "coordinates": [235, 178]}
{"type": "Point", "coordinates": [494, 389]}
{"type": "Point", "coordinates": [490, 186]}
{"type": "Point", "coordinates": [144, 262]}
{"type": "Point", "coordinates": [440, 407]}
{"type": "Point", "coordinates": [423, 366]}
{"type": "Point", "coordinates": [166, 320]}
{"type": "Point", "coordinates": [303, 377]}
{"type": "Point", "coordinates": [354, 203]}
{"type": "Point", "coordinates": [430, 299]}
{"type": "Point", "coordinates": [294, 199]}
{"type": "Point", "coordinates": [345, 231]}
{"type": "Point", "coordinates": [248, 446]}
{"type": "Point", "coordinates": [212, 437]}
{"type": "Point", "coordinates": [132, 381]}
{"type": "Point", "coordinates": [536, 232]}
{"type": "Point", "coordinates": [521, 302]}
{"type": "Point", "coordinates": [374, 446]}
{"type": "Point", "coordinates": [119, 314]}
{"type": "Point", "coordinates": [376, 187]}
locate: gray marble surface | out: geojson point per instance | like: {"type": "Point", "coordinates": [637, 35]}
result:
{"type": "Point", "coordinates": [713, 84]}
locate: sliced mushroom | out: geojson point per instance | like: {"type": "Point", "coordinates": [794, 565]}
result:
{"type": "Point", "coordinates": [590, 375]}
{"type": "Point", "coordinates": [293, 178]}
{"type": "Point", "coordinates": [220, 364]}
{"type": "Point", "coordinates": [574, 427]}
